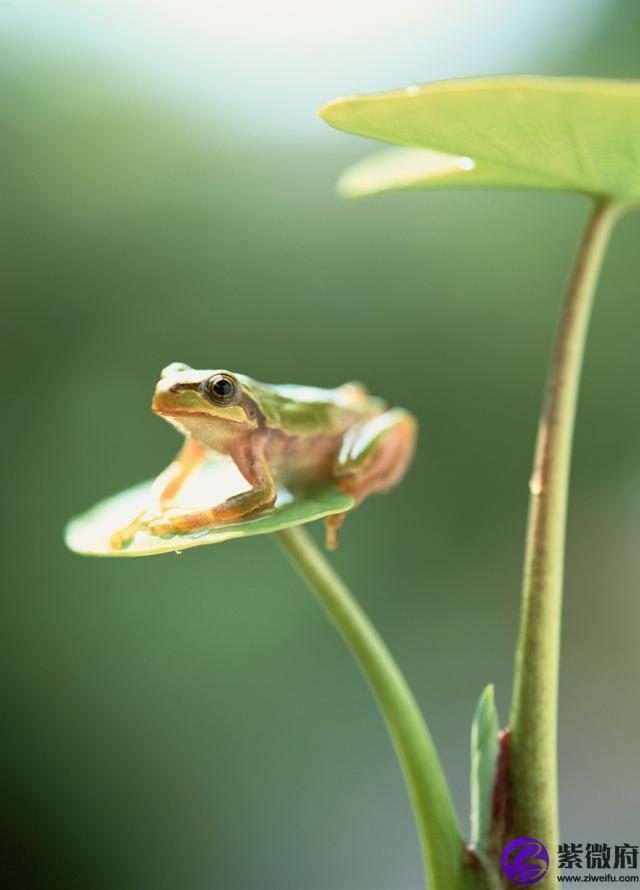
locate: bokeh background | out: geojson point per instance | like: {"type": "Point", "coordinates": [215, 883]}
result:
{"type": "Point", "coordinates": [167, 194]}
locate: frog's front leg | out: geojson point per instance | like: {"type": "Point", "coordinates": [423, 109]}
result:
{"type": "Point", "coordinates": [251, 461]}
{"type": "Point", "coordinates": [374, 457]}
{"type": "Point", "coordinates": [164, 489]}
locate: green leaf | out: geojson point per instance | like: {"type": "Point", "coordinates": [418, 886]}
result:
{"type": "Point", "coordinates": [89, 534]}
{"type": "Point", "coordinates": [484, 755]}
{"type": "Point", "coordinates": [570, 134]}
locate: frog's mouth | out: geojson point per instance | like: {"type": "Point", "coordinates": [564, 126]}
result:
{"type": "Point", "coordinates": [178, 398]}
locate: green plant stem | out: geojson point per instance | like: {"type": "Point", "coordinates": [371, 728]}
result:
{"type": "Point", "coordinates": [534, 711]}
{"type": "Point", "coordinates": [446, 858]}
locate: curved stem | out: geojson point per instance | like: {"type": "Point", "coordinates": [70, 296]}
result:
{"type": "Point", "coordinates": [534, 709]}
{"type": "Point", "coordinates": [446, 860]}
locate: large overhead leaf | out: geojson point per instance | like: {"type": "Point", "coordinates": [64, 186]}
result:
{"type": "Point", "coordinates": [90, 533]}
{"type": "Point", "coordinates": [572, 134]}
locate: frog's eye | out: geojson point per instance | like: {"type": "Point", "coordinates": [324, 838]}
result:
{"type": "Point", "coordinates": [222, 389]}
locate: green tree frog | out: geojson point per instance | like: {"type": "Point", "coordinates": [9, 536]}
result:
{"type": "Point", "coordinates": [293, 434]}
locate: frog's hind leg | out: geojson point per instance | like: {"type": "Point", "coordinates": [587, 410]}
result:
{"type": "Point", "coordinates": [374, 457]}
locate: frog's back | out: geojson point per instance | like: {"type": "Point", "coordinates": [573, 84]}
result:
{"type": "Point", "coordinates": [310, 410]}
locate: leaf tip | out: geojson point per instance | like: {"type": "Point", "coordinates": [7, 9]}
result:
{"type": "Point", "coordinates": [486, 724]}
{"type": "Point", "coordinates": [346, 187]}
{"type": "Point", "coordinates": [330, 111]}
{"type": "Point", "coordinates": [488, 696]}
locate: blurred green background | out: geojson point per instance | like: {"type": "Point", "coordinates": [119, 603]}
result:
{"type": "Point", "coordinates": [194, 722]}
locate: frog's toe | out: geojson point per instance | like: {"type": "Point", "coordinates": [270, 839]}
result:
{"type": "Point", "coordinates": [119, 540]}
{"type": "Point", "coordinates": [332, 524]}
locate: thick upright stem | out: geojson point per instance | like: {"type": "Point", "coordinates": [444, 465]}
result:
{"type": "Point", "coordinates": [446, 860]}
{"type": "Point", "coordinates": [535, 702]}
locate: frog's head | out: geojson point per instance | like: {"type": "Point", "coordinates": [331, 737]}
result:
{"type": "Point", "coordinates": [205, 404]}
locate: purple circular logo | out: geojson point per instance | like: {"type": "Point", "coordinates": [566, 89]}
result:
{"type": "Point", "coordinates": [525, 861]}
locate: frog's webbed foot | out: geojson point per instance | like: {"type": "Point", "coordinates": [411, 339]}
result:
{"type": "Point", "coordinates": [331, 525]}
{"type": "Point", "coordinates": [374, 457]}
